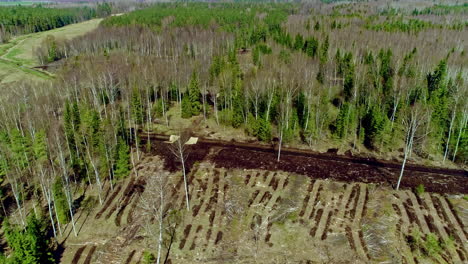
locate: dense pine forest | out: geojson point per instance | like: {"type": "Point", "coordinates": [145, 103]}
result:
{"type": "Point", "coordinates": [378, 81]}
{"type": "Point", "coordinates": [16, 20]}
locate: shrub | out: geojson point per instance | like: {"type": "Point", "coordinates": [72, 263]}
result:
{"type": "Point", "coordinates": [420, 189]}
{"type": "Point", "coordinates": [432, 246]}
{"type": "Point", "coordinates": [148, 258]}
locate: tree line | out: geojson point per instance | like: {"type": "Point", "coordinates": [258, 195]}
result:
{"type": "Point", "coordinates": [17, 20]}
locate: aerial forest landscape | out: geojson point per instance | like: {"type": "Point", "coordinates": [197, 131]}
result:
{"type": "Point", "coordinates": [243, 131]}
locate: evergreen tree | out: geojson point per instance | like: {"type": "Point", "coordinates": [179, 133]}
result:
{"type": "Point", "coordinates": [373, 124]}
{"type": "Point", "coordinates": [29, 245]}
{"type": "Point", "coordinates": [40, 147]}
{"type": "Point", "coordinates": [20, 148]}
{"type": "Point", "coordinates": [299, 42]}
{"type": "Point", "coordinates": [186, 107]}
{"type": "Point", "coordinates": [122, 160]}
{"type": "Point", "coordinates": [60, 202]}
{"type": "Point", "coordinates": [311, 45]}
{"type": "Point", "coordinates": [137, 107]}
{"type": "Point", "coordinates": [195, 95]}
{"type": "Point", "coordinates": [343, 120]}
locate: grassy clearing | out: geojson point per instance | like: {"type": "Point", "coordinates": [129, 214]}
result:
{"type": "Point", "coordinates": [17, 57]}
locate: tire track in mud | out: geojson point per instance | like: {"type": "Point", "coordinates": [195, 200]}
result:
{"type": "Point", "coordinates": [355, 216]}
{"type": "Point", "coordinates": [130, 256]}
{"type": "Point", "coordinates": [454, 225]}
{"type": "Point", "coordinates": [109, 201]}
{"type": "Point", "coordinates": [90, 255]}
{"type": "Point", "coordinates": [77, 255]}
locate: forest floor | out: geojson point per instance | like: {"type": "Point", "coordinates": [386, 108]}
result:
{"type": "Point", "coordinates": [17, 57]}
{"type": "Point", "coordinates": [265, 215]}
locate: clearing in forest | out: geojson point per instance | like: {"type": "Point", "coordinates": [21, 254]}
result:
{"type": "Point", "coordinates": [262, 216]}
{"type": "Point", "coordinates": [17, 57]}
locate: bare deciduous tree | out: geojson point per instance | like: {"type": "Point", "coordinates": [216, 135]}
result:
{"type": "Point", "coordinates": [153, 203]}
{"type": "Point", "coordinates": [180, 151]}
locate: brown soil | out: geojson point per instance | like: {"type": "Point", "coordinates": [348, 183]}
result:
{"type": "Point", "coordinates": [109, 201]}
{"type": "Point", "coordinates": [315, 165]}
{"type": "Point", "coordinates": [77, 256]}
{"type": "Point", "coordinates": [90, 255]}
{"type": "Point", "coordinates": [219, 236]}
{"type": "Point", "coordinates": [129, 258]}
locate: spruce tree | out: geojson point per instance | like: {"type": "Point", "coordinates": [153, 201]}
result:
{"type": "Point", "coordinates": [137, 107]}
{"type": "Point", "coordinates": [29, 245]}
{"type": "Point", "coordinates": [40, 147]}
{"type": "Point", "coordinates": [195, 95]}
{"type": "Point", "coordinates": [122, 160]}
{"type": "Point", "coordinates": [186, 107]}
{"type": "Point", "coordinates": [60, 202]}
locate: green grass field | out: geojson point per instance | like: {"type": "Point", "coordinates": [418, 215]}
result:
{"type": "Point", "coordinates": [17, 57]}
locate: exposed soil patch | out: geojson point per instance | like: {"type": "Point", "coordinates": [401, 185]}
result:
{"type": "Point", "coordinates": [109, 201]}
{"type": "Point", "coordinates": [90, 255]}
{"type": "Point", "coordinates": [77, 255]}
{"type": "Point", "coordinates": [129, 258]}
{"type": "Point", "coordinates": [219, 236]}
{"type": "Point", "coordinates": [316, 165]}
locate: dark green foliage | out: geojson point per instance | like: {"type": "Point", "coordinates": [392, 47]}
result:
{"type": "Point", "coordinates": [29, 245]}
{"type": "Point", "coordinates": [264, 48]}
{"type": "Point", "coordinates": [439, 100]}
{"type": "Point", "coordinates": [343, 121]}
{"type": "Point", "coordinates": [395, 25]}
{"type": "Point", "coordinates": [259, 128]}
{"type": "Point", "coordinates": [52, 52]}
{"type": "Point", "coordinates": [311, 46]}
{"type": "Point", "coordinates": [324, 50]}
{"type": "Point", "coordinates": [285, 56]}
{"type": "Point", "coordinates": [160, 107]}
{"type": "Point", "coordinates": [195, 95]}
{"type": "Point", "coordinates": [40, 147]}
{"type": "Point", "coordinates": [21, 19]}
{"type": "Point", "coordinates": [348, 85]}
{"type": "Point", "coordinates": [321, 74]}
{"type": "Point", "coordinates": [256, 56]}
{"type": "Point", "coordinates": [216, 67]}
{"type": "Point", "coordinates": [20, 149]}
{"type": "Point", "coordinates": [148, 258]}
{"type": "Point", "coordinates": [122, 160]}
{"type": "Point", "coordinates": [373, 124]}
{"type": "Point", "coordinates": [230, 17]}
{"type": "Point", "coordinates": [386, 70]}
{"type": "Point", "coordinates": [186, 107]}
{"type": "Point", "coordinates": [436, 80]}
{"type": "Point", "coordinates": [104, 9]}
{"type": "Point", "coordinates": [137, 107]}
{"type": "Point", "coordinates": [299, 42]}
{"type": "Point", "coordinates": [60, 202]}
{"type": "Point", "coordinates": [440, 10]}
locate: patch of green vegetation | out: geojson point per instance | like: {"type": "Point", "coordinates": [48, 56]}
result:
{"type": "Point", "coordinates": [148, 257]}
{"type": "Point", "coordinates": [432, 246]}
{"type": "Point", "coordinates": [442, 10]}
{"type": "Point", "coordinates": [230, 17]}
{"type": "Point", "coordinates": [420, 189]}
{"type": "Point", "coordinates": [402, 25]}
